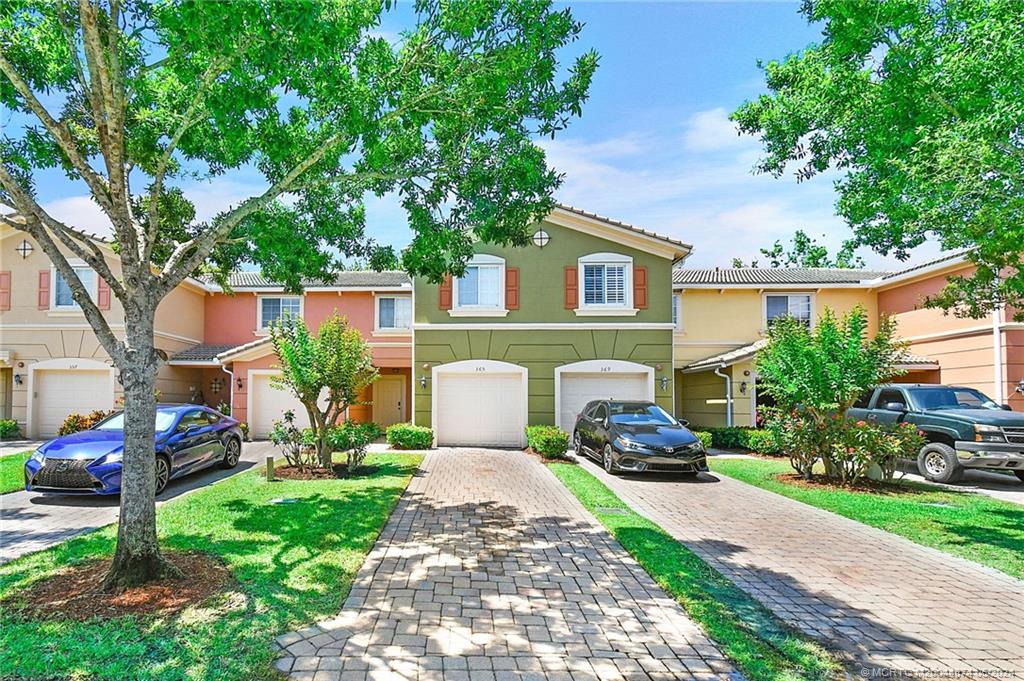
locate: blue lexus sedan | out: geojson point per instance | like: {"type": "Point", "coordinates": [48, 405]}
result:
{"type": "Point", "coordinates": [189, 438]}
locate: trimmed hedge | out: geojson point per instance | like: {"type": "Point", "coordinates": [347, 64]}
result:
{"type": "Point", "coordinates": [548, 441]}
{"type": "Point", "coordinates": [704, 437]}
{"type": "Point", "coordinates": [410, 436]}
{"type": "Point", "coordinates": [9, 428]}
{"type": "Point", "coordinates": [760, 440]}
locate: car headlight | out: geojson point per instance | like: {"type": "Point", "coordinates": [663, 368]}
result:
{"type": "Point", "coordinates": [629, 444]}
{"type": "Point", "coordinates": [38, 456]}
{"type": "Point", "coordinates": [983, 433]}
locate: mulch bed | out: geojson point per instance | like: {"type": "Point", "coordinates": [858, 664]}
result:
{"type": "Point", "coordinates": [338, 470]}
{"type": "Point", "coordinates": [74, 593]}
{"type": "Point", "coordinates": [868, 486]}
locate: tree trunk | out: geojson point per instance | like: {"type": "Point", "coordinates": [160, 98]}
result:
{"type": "Point", "coordinates": [137, 559]}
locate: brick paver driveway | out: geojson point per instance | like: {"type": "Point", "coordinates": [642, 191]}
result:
{"type": "Point", "coordinates": [488, 570]}
{"type": "Point", "coordinates": [888, 603]}
{"type": "Point", "coordinates": [32, 522]}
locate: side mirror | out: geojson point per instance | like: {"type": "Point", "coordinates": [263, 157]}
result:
{"type": "Point", "coordinates": [683, 422]}
{"type": "Point", "coordinates": [895, 406]}
{"type": "Point", "coordinates": [606, 423]}
{"type": "Point", "coordinates": [1006, 407]}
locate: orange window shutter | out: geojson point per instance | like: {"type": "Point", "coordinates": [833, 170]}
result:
{"type": "Point", "coordinates": [44, 289]}
{"type": "Point", "coordinates": [511, 288]}
{"type": "Point", "coordinates": [572, 288]}
{"type": "Point", "coordinates": [640, 288]}
{"type": "Point", "coordinates": [5, 290]}
{"type": "Point", "coordinates": [102, 294]}
{"type": "Point", "coordinates": [445, 293]}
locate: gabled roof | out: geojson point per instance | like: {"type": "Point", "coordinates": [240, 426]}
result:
{"type": "Point", "coordinates": [624, 225]}
{"type": "Point", "coordinates": [908, 361]}
{"type": "Point", "coordinates": [257, 348]}
{"type": "Point", "coordinates": [203, 352]}
{"type": "Point", "coordinates": [955, 257]}
{"type": "Point", "coordinates": [726, 276]}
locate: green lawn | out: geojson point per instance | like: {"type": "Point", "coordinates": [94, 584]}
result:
{"type": "Point", "coordinates": [294, 563]}
{"type": "Point", "coordinates": [751, 636]}
{"type": "Point", "coordinates": [972, 526]}
{"type": "Point", "coordinates": [11, 476]}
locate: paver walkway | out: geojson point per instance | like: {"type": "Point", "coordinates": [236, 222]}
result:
{"type": "Point", "coordinates": [32, 522]}
{"type": "Point", "coordinates": [489, 569]}
{"type": "Point", "coordinates": [888, 603]}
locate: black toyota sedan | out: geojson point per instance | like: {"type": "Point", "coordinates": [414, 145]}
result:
{"type": "Point", "coordinates": [636, 437]}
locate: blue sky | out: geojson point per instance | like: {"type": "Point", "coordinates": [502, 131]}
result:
{"type": "Point", "coordinates": [654, 146]}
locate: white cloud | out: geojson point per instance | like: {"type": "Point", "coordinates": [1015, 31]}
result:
{"type": "Point", "coordinates": [713, 131]}
{"type": "Point", "coordinates": [80, 212]}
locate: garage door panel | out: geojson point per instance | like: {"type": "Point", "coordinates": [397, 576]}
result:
{"type": "Point", "coordinates": [270, 404]}
{"type": "Point", "coordinates": [59, 392]}
{"type": "Point", "coordinates": [577, 389]}
{"type": "Point", "coordinates": [476, 410]}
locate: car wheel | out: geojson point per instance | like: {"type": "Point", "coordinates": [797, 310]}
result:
{"type": "Point", "coordinates": [937, 462]}
{"type": "Point", "coordinates": [1020, 475]}
{"type": "Point", "coordinates": [577, 443]}
{"type": "Point", "coordinates": [232, 452]}
{"type": "Point", "coordinates": [609, 461]}
{"type": "Point", "coordinates": [163, 474]}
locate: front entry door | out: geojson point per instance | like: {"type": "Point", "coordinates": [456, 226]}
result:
{"type": "Point", "coordinates": [388, 400]}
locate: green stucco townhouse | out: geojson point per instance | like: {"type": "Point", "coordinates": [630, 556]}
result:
{"type": "Point", "coordinates": [529, 335]}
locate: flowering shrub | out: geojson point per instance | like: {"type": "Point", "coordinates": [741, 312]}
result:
{"type": "Point", "coordinates": [76, 422]}
{"type": "Point", "coordinates": [296, 444]}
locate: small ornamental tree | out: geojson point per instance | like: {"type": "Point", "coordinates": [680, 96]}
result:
{"type": "Point", "coordinates": [815, 375]}
{"type": "Point", "coordinates": [325, 372]}
{"type": "Point", "coordinates": [138, 103]}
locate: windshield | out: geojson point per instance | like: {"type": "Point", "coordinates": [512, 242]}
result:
{"type": "Point", "coordinates": [164, 420]}
{"type": "Point", "coordinates": [639, 414]}
{"type": "Point", "coordinates": [950, 398]}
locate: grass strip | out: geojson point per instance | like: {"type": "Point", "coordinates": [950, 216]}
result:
{"type": "Point", "coordinates": [972, 526]}
{"type": "Point", "coordinates": [294, 548]}
{"type": "Point", "coordinates": [12, 477]}
{"type": "Point", "coordinates": [760, 644]}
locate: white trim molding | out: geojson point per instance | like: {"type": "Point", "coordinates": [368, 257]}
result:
{"type": "Point", "coordinates": [62, 364]}
{"type": "Point", "coordinates": [499, 310]}
{"type": "Point", "coordinates": [390, 330]}
{"type": "Point", "coordinates": [542, 326]}
{"type": "Point", "coordinates": [73, 309]}
{"type": "Point", "coordinates": [479, 366]}
{"type": "Point", "coordinates": [599, 366]}
{"type": "Point", "coordinates": [261, 328]}
{"type": "Point", "coordinates": [811, 296]}
{"type": "Point", "coordinates": [605, 260]}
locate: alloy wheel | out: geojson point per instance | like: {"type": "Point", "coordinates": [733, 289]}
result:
{"type": "Point", "coordinates": [935, 464]}
{"type": "Point", "coordinates": [233, 453]}
{"type": "Point", "coordinates": [609, 465]}
{"type": "Point", "coordinates": [577, 443]}
{"type": "Point", "coordinates": [163, 474]}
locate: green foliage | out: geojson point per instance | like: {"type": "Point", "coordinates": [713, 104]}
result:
{"type": "Point", "coordinates": [806, 252]}
{"type": "Point", "coordinates": [759, 643]}
{"type": "Point", "coordinates": [548, 441]}
{"type": "Point", "coordinates": [296, 444]}
{"type": "Point", "coordinates": [12, 471]}
{"type": "Point", "coordinates": [758, 440]}
{"type": "Point", "coordinates": [762, 441]}
{"type": "Point", "coordinates": [706, 438]}
{"type": "Point", "coordinates": [224, 408]}
{"type": "Point", "coordinates": [312, 97]}
{"type": "Point", "coordinates": [293, 565]}
{"type": "Point", "coordinates": [972, 526]}
{"type": "Point", "coordinates": [352, 439]}
{"type": "Point", "coordinates": [9, 429]}
{"type": "Point", "coordinates": [334, 366]}
{"type": "Point", "coordinates": [410, 436]}
{"type": "Point", "coordinates": [919, 105]}
{"type": "Point", "coordinates": [75, 422]}
{"type": "Point", "coordinates": [244, 427]}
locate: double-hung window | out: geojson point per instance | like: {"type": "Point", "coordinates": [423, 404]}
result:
{"type": "Point", "coordinates": [394, 313]}
{"type": "Point", "coordinates": [274, 309]}
{"type": "Point", "coordinates": [606, 281]}
{"type": "Point", "coordinates": [62, 298]}
{"type": "Point", "coordinates": [795, 305]}
{"type": "Point", "coordinates": [482, 286]}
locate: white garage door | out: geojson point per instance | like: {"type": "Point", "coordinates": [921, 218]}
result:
{"type": "Point", "coordinates": [480, 410]}
{"type": "Point", "coordinates": [59, 392]}
{"type": "Point", "coordinates": [578, 389]}
{"type": "Point", "coordinates": [269, 404]}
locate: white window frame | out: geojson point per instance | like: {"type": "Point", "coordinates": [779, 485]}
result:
{"type": "Point", "coordinates": [74, 307]}
{"type": "Point", "coordinates": [810, 295]}
{"type": "Point", "coordinates": [260, 326]}
{"type": "Point", "coordinates": [499, 310]}
{"type": "Point", "coordinates": [395, 330]}
{"type": "Point", "coordinates": [605, 309]}
{"type": "Point", "coordinates": [677, 311]}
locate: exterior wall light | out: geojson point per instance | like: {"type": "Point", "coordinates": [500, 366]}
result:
{"type": "Point", "coordinates": [664, 383]}
{"type": "Point", "coordinates": [238, 382]}
{"type": "Point", "coordinates": [743, 387]}
{"type": "Point", "coordinates": [17, 379]}
{"type": "Point", "coordinates": [423, 382]}
{"type": "Point", "coordinates": [541, 238]}
{"type": "Point", "coordinates": [1020, 386]}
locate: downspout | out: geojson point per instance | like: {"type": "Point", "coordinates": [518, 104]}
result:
{"type": "Point", "coordinates": [997, 354]}
{"type": "Point", "coordinates": [728, 394]}
{"type": "Point", "coordinates": [231, 387]}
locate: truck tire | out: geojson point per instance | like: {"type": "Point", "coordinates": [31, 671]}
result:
{"type": "Point", "coordinates": [937, 462]}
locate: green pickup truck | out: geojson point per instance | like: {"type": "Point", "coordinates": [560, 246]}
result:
{"type": "Point", "coordinates": [964, 428]}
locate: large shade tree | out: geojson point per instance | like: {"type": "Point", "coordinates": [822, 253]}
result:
{"type": "Point", "coordinates": [138, 100]}
{"type": "Point", "coordinates": [920, 103]}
